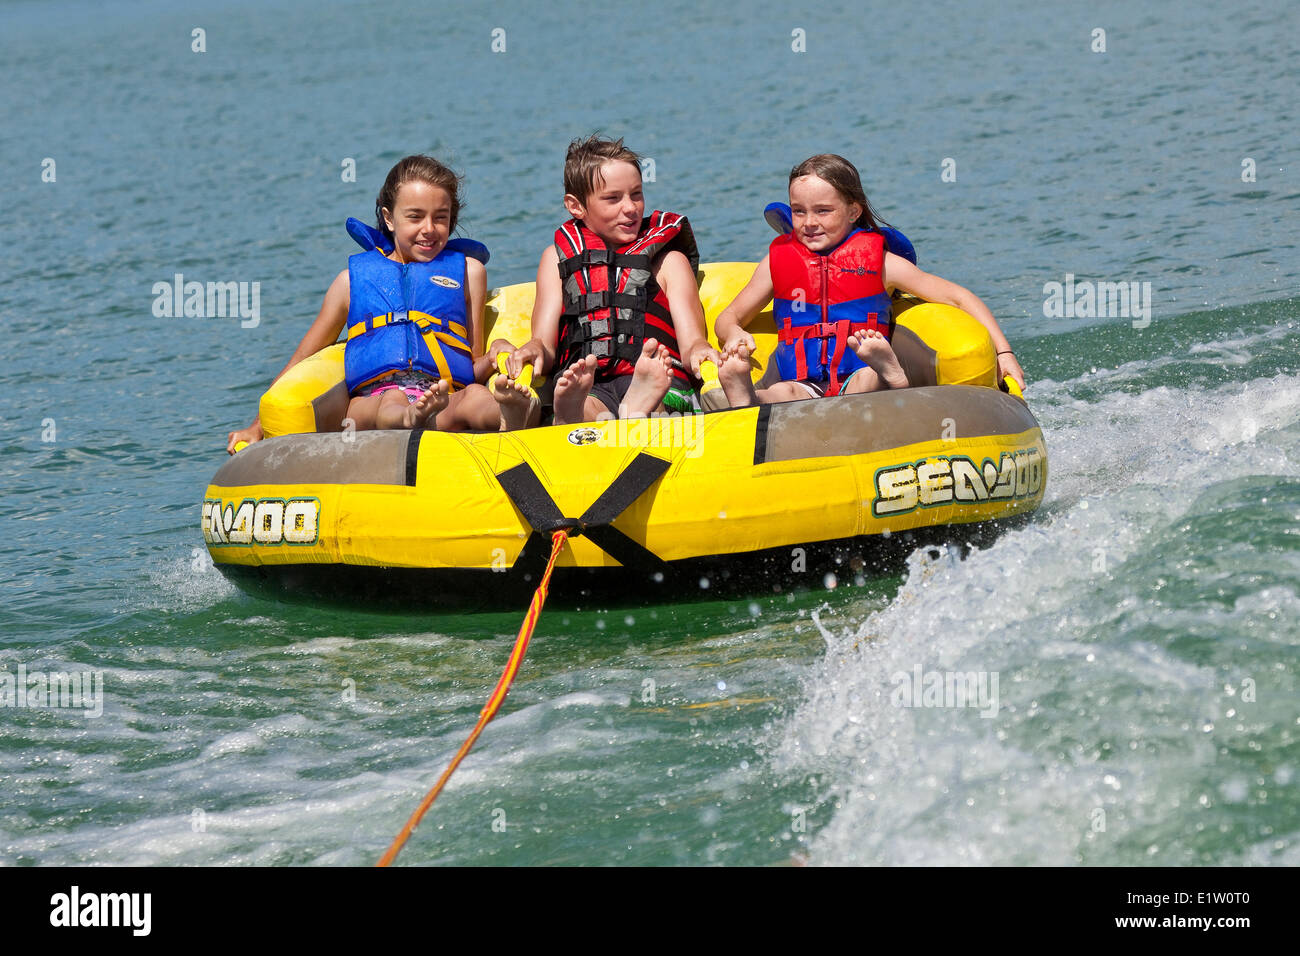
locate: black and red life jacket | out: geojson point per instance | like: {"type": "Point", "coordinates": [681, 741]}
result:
{"type": "Point", "coordinates": [612, 303]}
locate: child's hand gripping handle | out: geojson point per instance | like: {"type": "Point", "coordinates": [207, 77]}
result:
{"type": "Point", "coordinates": [523, 381]}
{"type": "Point", "coordinates": [525, 378]}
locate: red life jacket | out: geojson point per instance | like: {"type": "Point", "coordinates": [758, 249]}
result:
{"type": "Point", "coordinates": [611, 317]}
{"type": "Point", "coordinates": [818, 300]}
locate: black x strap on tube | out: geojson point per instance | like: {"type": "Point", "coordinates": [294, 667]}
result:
{"type": "Point", "coordinates": [540, 510]}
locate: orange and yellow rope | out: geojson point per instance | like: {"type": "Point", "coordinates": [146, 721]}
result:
{"type": "Point", "coordinates": [494, 702]}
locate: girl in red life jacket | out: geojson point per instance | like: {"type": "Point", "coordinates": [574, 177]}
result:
{"type": "Point", "coordinates": [831, 280]}
{"type": "Point", "coordinates": [417, 211]}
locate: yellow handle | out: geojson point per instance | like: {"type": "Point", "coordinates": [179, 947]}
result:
{"type": "Point", "coordinates": [709, 374]}
{"type": "Point", "coordinates": [525, 374]}
{"type": "Point", "coordinates": [240, 446]}
{"type": "Point", "coordinates": [1012, 387]}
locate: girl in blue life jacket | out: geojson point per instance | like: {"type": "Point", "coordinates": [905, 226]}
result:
{"type": "Point", "coordinates": [831, 279]}
{"type": "Point", "coordinates": [412, 304]}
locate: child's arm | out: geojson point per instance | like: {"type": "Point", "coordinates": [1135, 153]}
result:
{"type": "Point", "coordinates": [475, 302]}
{"type": "Point", "coordinates": [901, 274]}
{"type": "Point", "coordinates": [751, 300]}
{"type": "Point", "coordinates": [323, 333]}
{"type": "Point", "coordinates": [548, 305]}
{"type": "Point", "coordinates": [676, 277]}
{"type": "Point", "coordinates": [475, 298]}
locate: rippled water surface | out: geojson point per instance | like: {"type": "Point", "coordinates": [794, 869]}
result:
{"type": "Point", "coordinates": [1142, 628]}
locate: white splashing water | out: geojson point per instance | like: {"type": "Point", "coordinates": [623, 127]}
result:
{"type": "Point", "coordinates": [186, 582]}
{"type": "Point", "coordinates": [1102, 734]}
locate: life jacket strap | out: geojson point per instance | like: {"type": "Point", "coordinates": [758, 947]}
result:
{"type": "Point", "coordinates": [421, 319]}
{"type": "Point", "coordinates": [605, 338]}
{"type": "Point", "coordinates": [827, 332]}
{"type": "Point", "coordinates": [639, 301]}
{"type": "Point", "coordinates": [601, 257]}
{"type": "Point", "coordinates": [841, 342]}
{"type": "Point", "coordinates": [790, 335]}
{"type": "Point", "coordinates": [377, 322]}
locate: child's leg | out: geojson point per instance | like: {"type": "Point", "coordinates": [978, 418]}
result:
{"type": "Point", "coordinates": [572, 400]}
{"type": "Point", "coordinates": [787, 392]}
{"type": "Point", "coordinates": [650, 382]}
{"type": "Point", "coordinates": [874, 349]}
{"type": "Point", "coordinates": [739, 387]}
{"type": "Point", "coordinates": [396, 410]}
{"type": "Point", "coordinates": [361, 409]}
{"type": "Point", "coordinates": [863, 380]}
{"type": "Point", "coordinates": [472, 409]}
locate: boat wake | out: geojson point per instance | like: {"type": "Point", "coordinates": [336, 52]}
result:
{"type": "Point", "coordinates": [1095, 687]}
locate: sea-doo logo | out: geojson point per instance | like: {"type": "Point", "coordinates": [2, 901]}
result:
{"type": "Point", "coordinates": [584, 436]}
{"type": "Point", "coordinates": [941, 481]}
{"type": "Point", "coordinates": [261, 521]}
{"type": "Point", "coordinates": [859, 271]}
{"type": "Point", "coordinates": [445, 281]}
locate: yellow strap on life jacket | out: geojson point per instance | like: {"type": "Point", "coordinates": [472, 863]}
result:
{"type": "Point", "coordinates": [435, 349]}
{"type": "Point", "coordinates": [421, 319]}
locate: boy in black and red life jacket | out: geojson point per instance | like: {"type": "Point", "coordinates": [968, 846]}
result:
{"type": "Point", "coordinates": [617, 320]}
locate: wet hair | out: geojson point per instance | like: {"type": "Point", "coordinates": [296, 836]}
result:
{"type": "Point", "coordinates": [843, 175]}
{"type": "Point", "coordinates": [586, 157]}
{"type": "Point", "coordinates": [416, 168]}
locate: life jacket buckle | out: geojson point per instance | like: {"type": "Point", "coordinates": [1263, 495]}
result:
{"type": "Point", "coordinates": [591, 301]}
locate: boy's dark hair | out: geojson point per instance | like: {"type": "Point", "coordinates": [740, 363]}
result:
{"type": "Point", "coordinates": [420, 169]}
{"type": "Point", "coordinates": [583, 162]}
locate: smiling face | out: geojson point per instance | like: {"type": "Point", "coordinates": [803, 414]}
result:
{"type": "Point", "coordinates": [420, 221]}
{"type": "Point", "coordinates": [822, 217]}
{"type": "Point", "coordinates": [614, 208]}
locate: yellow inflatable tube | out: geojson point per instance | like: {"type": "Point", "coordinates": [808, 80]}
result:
{"type": "Point", "coordinates": [768, 497]}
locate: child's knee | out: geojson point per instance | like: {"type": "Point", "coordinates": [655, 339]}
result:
{"type": "Point", "coordinates": [362, 410]}
{"type": "Point", "coordinates": [475, 409]}
{"type": "Point", "coordinates": [786, 392]}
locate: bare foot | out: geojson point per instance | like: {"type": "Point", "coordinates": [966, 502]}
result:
{"type": "Point", "coordinates": [650, 380]}
{"type": "Point", "coordinates": [518, 404]}
{"type": "Point", "coordinates": [425, 409]}
{"type": "Point", "coordinates": [874, 349]}
{"type": "Point", "coordinates": [734, 374]}
{"type": "Point", "coordinates": [571, 391]}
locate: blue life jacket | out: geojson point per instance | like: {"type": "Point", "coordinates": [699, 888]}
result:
{"type": "Point", "coordinates": [404, 317]}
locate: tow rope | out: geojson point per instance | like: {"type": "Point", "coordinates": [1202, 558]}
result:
{"type": "Point", "coordinates": [494, 702]}
{"type": "Point", "coordinates": [539, 509]}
